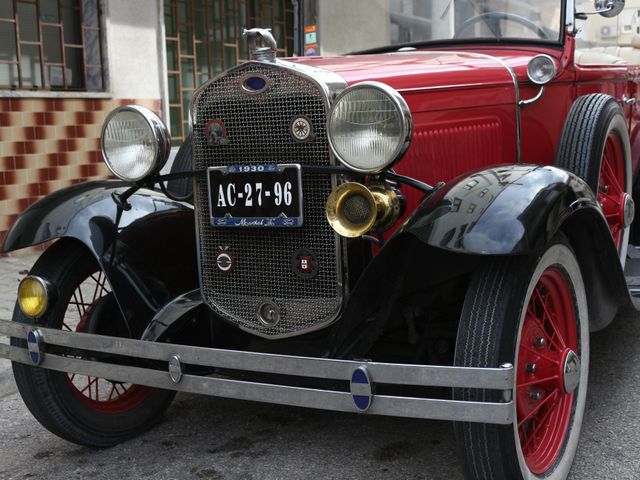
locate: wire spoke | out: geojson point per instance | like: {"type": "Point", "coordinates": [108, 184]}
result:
{"type": "Point", "coordinates": [541, 422]}
{"type": "Point", "coordinates": [611, 177]}
{"type": "Point", "coordinates": [537, 408]}
{"type": "Point", "coordinates": [541, 355]}
{"type": "Point", "coordinates": [537, 381]}
{"type": "Point", "coordinates": [537, 423]}
{"type": "Point", "coordinates": [89, 383]}
{"type": "Point", "coordinates": [552, 323]}
{"type": "Point", "coordinates": [76, 303]}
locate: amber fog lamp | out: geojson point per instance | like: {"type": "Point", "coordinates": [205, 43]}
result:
{"type": "Point", "coordinates": [353, 209]}
{"type": "Point", "coordinates": [369, 127]}
{"type": "Point", "coordinates": [135, 143]}
{"type": "Point", "coordinates": [541, 69]}
{"type": "Point", "coordinates": [33, 296]}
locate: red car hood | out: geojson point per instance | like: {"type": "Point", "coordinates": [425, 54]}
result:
{"type": "Point", "coordinates": [422, 71]}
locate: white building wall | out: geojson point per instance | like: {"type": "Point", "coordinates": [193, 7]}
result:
{"type": "Point", "coordinates": [133, 36]}
{"type": "Point", "coordinates": [338, 19]}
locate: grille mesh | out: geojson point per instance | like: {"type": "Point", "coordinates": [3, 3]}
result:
{"type": "Point", "coordinates": [258, 129]}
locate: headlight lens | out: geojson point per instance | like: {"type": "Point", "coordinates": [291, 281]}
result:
{"type": "Point", "coordinates": [135, 142]}
{"type": "Point", "coordinates": [541, 69]}
{"type": "Point", "coordinates": [32, 296]}
{"type": "Point", "coordinates": [369, 127]}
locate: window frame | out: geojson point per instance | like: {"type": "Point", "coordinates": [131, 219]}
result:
{"type": "Point", "coordinates": [23, 85]}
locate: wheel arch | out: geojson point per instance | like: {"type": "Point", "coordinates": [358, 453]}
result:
{"type": "Point", "coordinates": [601, 270]}
{"type": "Point", "coordinates": [147, 253]}
{"type": "Point", "coordinates": [528, 205]}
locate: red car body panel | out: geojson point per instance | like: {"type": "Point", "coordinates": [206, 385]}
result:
{"type": "Point", "coordinates": [462, 96]}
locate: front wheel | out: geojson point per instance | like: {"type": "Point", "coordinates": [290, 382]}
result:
{"type": "Point", "coordinates": [530, 312]}
{"type": "Point", "coordinates": [86, 410]}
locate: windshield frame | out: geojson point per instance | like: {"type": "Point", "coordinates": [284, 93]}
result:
{"type": "Point", "coordinates": [566, 25]}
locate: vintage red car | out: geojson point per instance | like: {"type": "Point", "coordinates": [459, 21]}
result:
{"type": "Point", "coordinates": [427, 230]}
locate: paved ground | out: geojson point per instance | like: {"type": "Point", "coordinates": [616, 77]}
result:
{"type": "Point", "coordinates": [210, 438]}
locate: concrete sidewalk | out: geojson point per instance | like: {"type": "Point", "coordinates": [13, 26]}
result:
{"type": "Point", "coordinates": [12, 269]}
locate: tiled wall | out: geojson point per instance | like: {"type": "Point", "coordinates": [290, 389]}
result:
{"type": "Point", "coordinates": [48, 144]}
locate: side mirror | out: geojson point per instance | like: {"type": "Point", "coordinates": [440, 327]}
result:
{"type": "Point", "coordinates": [609, 8]}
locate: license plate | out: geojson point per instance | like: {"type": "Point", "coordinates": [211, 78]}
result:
{"type": "Point", "coordinates": [255, 196]}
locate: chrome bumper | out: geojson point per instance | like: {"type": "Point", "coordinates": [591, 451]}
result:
{"type": "Point", "coordinates": [361, 375]}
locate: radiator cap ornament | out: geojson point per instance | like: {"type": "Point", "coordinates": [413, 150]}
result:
{"type": "Point", "coordinates": [266, 53]}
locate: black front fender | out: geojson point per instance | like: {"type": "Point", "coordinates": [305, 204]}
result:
{"type": "Point", "coordinates": [505, 210]}
{"type": "Point", "coordinates": [148, 252]}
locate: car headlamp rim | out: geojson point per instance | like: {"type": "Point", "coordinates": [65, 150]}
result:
{"type": "Point", "coordinates": [405, 118]}
{"type": "Point", "coordinates": [159, 130]}
{"type": "Point", "coordinates": [551, 61]}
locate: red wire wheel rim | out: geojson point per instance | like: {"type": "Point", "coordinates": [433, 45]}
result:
{"type": "Point", "coordinates": [611, 187]}
{"type": "Point", "coordinates": [543, 407]}
{"type": "Point", "coordinates": [98, 394]}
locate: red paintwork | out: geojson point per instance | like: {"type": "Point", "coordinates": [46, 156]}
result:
{"type": "Point", "coordinates": [463, 104]}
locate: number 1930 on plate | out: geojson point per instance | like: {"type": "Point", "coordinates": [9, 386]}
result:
{"type": "Point", "coordinates": [255, 195]}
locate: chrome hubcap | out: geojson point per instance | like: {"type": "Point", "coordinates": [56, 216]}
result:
{"type": "Point", "coordinates": [571, 371]}
{"type": "Point", "coordinates": [629, 210]}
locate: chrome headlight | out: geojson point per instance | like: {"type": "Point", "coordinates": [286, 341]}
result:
{"type": "Point", "coordinates": [135, 143]}
{"type": "Point", "coordinates": [541, 69]}
{"type": "Point", "coordinates": [369, 127]}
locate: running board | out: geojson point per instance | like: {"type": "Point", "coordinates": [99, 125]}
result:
{"type": "Point", "coordinates": [162, 365]}
{"type": "Point", "coordinates": [632, 274]}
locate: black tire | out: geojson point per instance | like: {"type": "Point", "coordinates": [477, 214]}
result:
{"type": "Point", "coordinates": [182, 189]}
{"type": "Point", "coordinates": [490, 332]}
{"type": "Point", "coordinates": [591, 121]}
{"type": "Point", "coordinates": [55, 398]}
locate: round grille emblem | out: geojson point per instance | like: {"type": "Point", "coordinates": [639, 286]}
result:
{"type": "Point", "coordinates": [304, 263]}
{"type": "Point", "coordinates": [225, 261]}
{"type": "Point", "coordinates": [215, 132]}
{"type": "Point", "coordinates": [301, 129]}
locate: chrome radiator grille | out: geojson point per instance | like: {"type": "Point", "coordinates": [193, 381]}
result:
{"type": "Point", "coordinates": [258, 132]}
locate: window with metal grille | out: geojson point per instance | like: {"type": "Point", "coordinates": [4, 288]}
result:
{"type": "Point", "coordinates": [51, 45]}
{"type": "Point", "coordinates": [204, 38]}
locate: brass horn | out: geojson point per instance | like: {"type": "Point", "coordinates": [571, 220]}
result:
{"type": "Point", "coordinates": [354, 209]}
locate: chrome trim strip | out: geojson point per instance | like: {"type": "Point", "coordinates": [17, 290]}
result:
{"type": "Point", "coordinates": [390, 373]}
{"type": "Point", "coordinates": [485, 412]}
{"type": "Point", "coordinates": [531, 101]}
{"type": "Point", "coordinates": [330, 84]}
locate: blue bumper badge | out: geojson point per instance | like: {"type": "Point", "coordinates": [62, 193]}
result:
{"type": "Point", "coordinates": [361, 389]}
{"type": "Point", "coordinates": [34, 344]}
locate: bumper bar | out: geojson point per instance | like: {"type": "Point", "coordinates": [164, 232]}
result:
{"type": "Point", "coordinates": [362, 375]}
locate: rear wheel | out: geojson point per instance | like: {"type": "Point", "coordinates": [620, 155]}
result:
{"type": "Point", "coordinates": [83, 409]}
{"type": "Point", "coordinates": [595, 146]}
{"type": "Point", "coordinates": [530, 312]}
